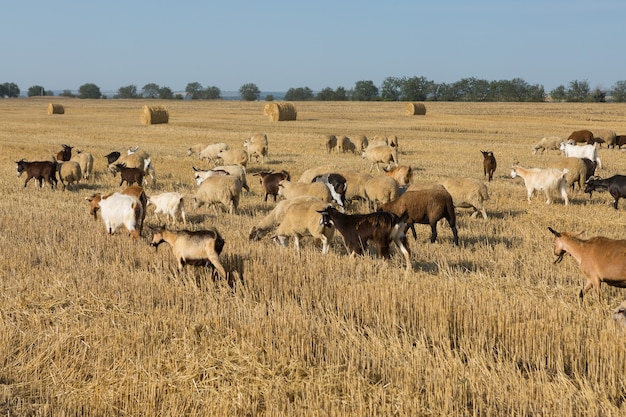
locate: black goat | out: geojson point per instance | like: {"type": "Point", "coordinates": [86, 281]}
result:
{"type": "Point", "coordinates": [112, 157]}
{"type": "Point", "coordinates": [615, 185]}
{"type": "Point", "coordinates": [130, 175]}
{"type": "Point", "coordinates": [39, 170]}
{"type": "Point", "coordinates": [65, 154]}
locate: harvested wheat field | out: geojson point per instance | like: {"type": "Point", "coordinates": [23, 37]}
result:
{"type": "Point", "coordinates": [98, 325]}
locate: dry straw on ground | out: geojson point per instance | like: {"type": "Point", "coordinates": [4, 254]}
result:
{"type": "Point", "coordinates": [278, 112]}
{"type": "Point", "coordinates": [55, 108]}
{"type": "Point", "coordinates": [413, 109]}
{"type": "Point", "coordinates": [152, 115]}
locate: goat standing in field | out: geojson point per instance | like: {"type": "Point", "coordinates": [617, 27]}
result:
{"type": "Point", "coordinates": [601, 259]}
{"type": "Point", "coordinates": [549, 180]}
{"type": "Point", "coordinates": [489, 164]}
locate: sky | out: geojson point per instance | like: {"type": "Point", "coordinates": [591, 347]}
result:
{"type": "Point", "coordinates": [279, 45]}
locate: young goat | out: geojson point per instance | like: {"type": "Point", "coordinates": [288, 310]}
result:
{"type": "Point", "coordinates": [130, 175]}
{"type": "Point", "coordinates": [489, 164]}
{"type": "Point", "coordinates": [601, 259]}
{"type": "Point", "coordinates": [548, 180]}
{"type": "Point", "coordinates": [39, 170]}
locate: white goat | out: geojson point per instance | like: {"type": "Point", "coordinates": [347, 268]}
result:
{"type": "Point", "coordinates": [171, 204]}
{"type": "Point", "coordinates": [548, 180]}
{"type": "Point", "coordinates": [581, 151]}
{"type": "Point", "coordinates": [119, 210]}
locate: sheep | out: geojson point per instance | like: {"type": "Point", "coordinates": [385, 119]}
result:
{"type": "Point", "coordinates": [233, 156]}
{"type": "Point", "coordinates": [256, 147]}
{"type": "Point", "coordinates": [288, 190]}
{"type": "Point", "coordinates": [384, 154]}
{"type": "Point", "coordinates": [148, 168]}
{"type": "Point", "coordinates": [65, 154]}
{"type": "Point", "coordinates": [220, 189]}
{"type": "Point", "coordinates": [550, 143]}
{"type": "Point", "coordinates": [211, 152]}
{"type": "Point", "coordinates": [605, 136]}
{"type": "Point", "coordinates": [582, 136]}
{"type": "Point", "coordinates": [274, 217]}
{"type": "Point", "coordinates": [199, 247]}
{"type": "Point", "coordinates": [40, 170]}
{"type": "Point", "coordinates": [581, 151]}
{"type": "Point", "coordinates": [70, 172]}
{"type": "Point", "coordinates": [403, 174]}
{"type": "Point", "coordinates": [548, 179]}
{"type": "Point", "coordinates": [269, 181]}
{"type": "Point", "coordinates": [344, 144]}
{"type": "Point", "coordinates": [355, 180]}
{"type": "Point", "coordinates": [309, 174]}
{"type": "Point", "coordinates": [330, 143]}
{"type": "Point", "coordinates": [360, 142]}
{"type": "Point", "coordinates": [303, 219]}
{"type": "Point", "coordinates": [85, 160]}
{"type": "Point", "coordinates": [380, 190]}
{"type": "Point", "coordinates": [196, 149]}
{"type": "Point", "coordinates": [392, 140]}
{"type": "Point", "coordinates": [169, 203]}
{"type": "Point", "coordinates": [489, 164]}
{"type": "Point", "coordinates": [377, 140]}
{"type": "Point", "coordinates": [468, 193]}
{"type": "Point", "coordinates": [425, 206]}
{"type": "Point", "coordinates": [234, 170]}
{"type": "Point", "coordinates": [577, 171]}
{"type": "Point", "coordinates": [118, 210]}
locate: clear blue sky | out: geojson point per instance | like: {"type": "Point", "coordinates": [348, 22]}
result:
{"type": "Point", "coordinates": [278, 45]}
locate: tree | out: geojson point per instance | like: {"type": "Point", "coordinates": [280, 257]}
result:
{"type": "Point", "coordinates": [249, 92]}
{"type": "Point", "coordinates": [150, 90]}
{"type": "Point", "coordinates": [212, 93]}
{"type": "Point", "coordinates": [325, 94]}
{"type": "Point", "coordinates": [130, 91]}
{"type": "Point", "coordinates": [194, 90]}
{"type": "Point", "coordinates": [67, 93]}
{"type": "Point", "coordinates": [578, 91]}
{"type": "Point", "coordinates": [558, 93]}
{"type": "Point", "coordinates": [619, 91]}
{"type": "Point", "coordinates": [37, 90]}
{"type": "Point", "coordinates": [9, 90]}
{"type": "Point", "coordinates": [391, 88]}
{"type": "Point", "coordinates": [299, 94]}
{"type": "Point", "coordinates": [89, 90]}
{"type": "Point", "coordinates": [364, 91]}
{"type": "Point", "coordinates": [416, 89]}
{"type": "Point", "coordinates": [166, 93]}
{"type": "Point", "coordinates": [341, 94]}
{"type": "Point", "coordinates": [598, 96]}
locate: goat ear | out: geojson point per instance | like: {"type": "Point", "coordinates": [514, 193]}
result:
{"type": "Point", "coordinates": [554, 232]}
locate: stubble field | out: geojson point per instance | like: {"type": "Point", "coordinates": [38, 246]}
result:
{"type": "Point", "coordinates": [97, 325]}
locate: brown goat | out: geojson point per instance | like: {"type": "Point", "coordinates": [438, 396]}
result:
{"type": "Point", "coordinates": [582, 136]}
{"type": "Point", "coordinates": [401, 173]}
{"type": "Point", "coordinates": [66, 154]}
{"type": "Point", "coordinates": [270, 180]}
{"type": "Point", "coordinates": [489, 164]}
{"type": "Point", "coordinates": [130, 175]}
{"type": "Point", "coordinates": [425, 206]}
{"type": "Point", "coordinates": [39, 170]}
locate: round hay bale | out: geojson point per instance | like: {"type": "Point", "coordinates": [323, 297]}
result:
{"type": "Point", "coordinates": [278, 112]}
{"type": "Point", "coordinates": [412, 109]}
{"type": "Point", "coordinates": [55, 108]}
{"type": "Point", "coordinates": [151, 115]}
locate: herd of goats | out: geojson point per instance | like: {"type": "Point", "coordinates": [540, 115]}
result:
{"type": "Point", "coordinates": [316, 204]}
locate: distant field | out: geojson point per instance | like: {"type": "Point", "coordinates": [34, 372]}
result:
{"type": "Point", "coordinates": [97, 325]}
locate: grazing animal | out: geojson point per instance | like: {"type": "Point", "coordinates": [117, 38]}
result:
{"type": "Point", "coordinates": [576, 171]}
{"type": "Point", "coordinates": [196, 149]}
{"type": "Point", "coordinates": [112, 157]}
{"type": "Point", "coordinates": [85, 160]}
{"type": "Point", "coordinates": [302, 218]}
{"type": "Point", "coordinates": [615, 185]}
{"type": "Point", "coordinates": [330, 143]}
{"type": "Point", "coordinates": [383, 154]}
{"type": "Point", "coordinates": [134, 191]}
{"type": "Point", "coordinates": [360, 142]}
{"type": "Point", "coordinates": [235, 170]}
{"type": "Point", "coordinates": [426, 206]}
{"type": "Point", "coordinates": [392, 140]}
{"type": "Point", "coordinates": [379, 190]}
{"type": "Point", "coordinates": [39, 170]}
{"type": "Point", "coordinates": [199, 247]}
{"type": "Point", "coordinates": [274, 217]}
{"type": "Point", "coordinates": [380, 228]}
{"type": "Point", "coordinates": [256, 146]}
{"type": "Point", "coordinates": [581, 151]}
{"type": "Point", "coordinates": [65, 154]}
{"type": "Point", "coordinates": [288, 189]}
{"type": "Point", "coordinates": [233, 156]}
{"type": "Point", "coordinates": [582, 136]}
{"type": "Point", "coordinates": [620, 140]}
{"type": "Point", "coordinates": [130, 175]}
{"type": "Point", "coordinates": [548, 180]}
{"type": "Point", "coordinates": [337, 186]}
{"type": "Point", "coordinates": [344, 144]}
{"type": "Point", "coordinates": [225, 190]}
{"type": "Point", "coordinates": [468, 193]}
{"type": "Point", "coordinates": [600, 258]}
{"type": "Point", "coordinates": [70, 172]}
{"type": "Point", "coordinates": [605, 136]}
{"type": "Point", "coordinates": [212, 151]}
{"type": "Point", "coordinates": [269, 182]}
{"type": "Point", "coordinates": [118, 210]}
{"type": "Point", "coordinates": [171, 204]}
{"type": "Point", "coordinates": [550, 143]}
{"type": "Point", "coordinates": [590, 168]}
{"type": "Point", "coordinates": [489, 164]}
{"type": "Point", "coordinates": [403, 174]}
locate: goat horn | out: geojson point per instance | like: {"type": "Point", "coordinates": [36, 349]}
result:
{"type": "Point", "coordinates": [554, 232]}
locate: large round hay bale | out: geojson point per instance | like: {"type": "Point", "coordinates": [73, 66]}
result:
{"type": "Point", "coordinates": [152, 115]}
{"type": "Point", "coordinates": [278, 112]}
{"type": "Point", "coordinates": [412, 109]}
{"type": "Point", "coordinates": [55, 108]}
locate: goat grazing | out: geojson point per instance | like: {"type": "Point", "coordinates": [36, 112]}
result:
{"type": "Point", "coordinates": [130, 175]}
{"type": "Point", "coordinates": [118, 210]}
{"type": "Point", "coordinates": [171, 204]}
{"type": "Point", "coordinates": [269, 182]}
{"type": "Point", "coordinates": [39, 170]}
{"type": "Point", "coordinates": [380, 228]}
{"type": "Point", "coordinates": [615, 185]}
{"type": "Point", "coordinates": [601, 259]}
{"type": "Point", "coordinates": [548, 180]}
{"type": "Point", "coordinates": [200, 247]}
{"type": "Point", "coordinates": [489, 164]}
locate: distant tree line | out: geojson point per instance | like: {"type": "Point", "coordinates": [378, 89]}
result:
{"type": "Point", "coordinates": [392, 89]}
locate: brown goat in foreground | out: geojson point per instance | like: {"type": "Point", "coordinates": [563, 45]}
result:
{"type": "Point", "coordinates": [489, 164]}
{"type": "Point", "coordinates": [601, 259]}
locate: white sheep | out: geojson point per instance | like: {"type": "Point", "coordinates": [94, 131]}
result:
{"type": "Point", "coordinates": [392, 140]}
{"type": "Point", "coordinates": [288, 190]}
{"type": "Point", "coordinates": [171, 204]}
{"type": "Point", "coordinates": [85, 160]}
{"type": "Point", "coordinates": [330, 143]}
{"type": "Point", "coordinates": [344, 144]}
{"type": "Point", "coordinates": [607, 136]}
{"type": "Point", "coordinates": [225, 190]}
{"type": "Point", "coordinates": [547, 143]}
{"type": "Point", "coordinates": [70, 172]}
{"type": "Point", "coordinates": [380, 190]}
{"type": "Point", "coordinates": [383, 154]}
{"type": "Point", "coordinates": [468, 193]}
{"type": "Point", "coordinates": [235, 170]}
{"type": "Point", "coordinates": [355, 183]}
{"type": "Point", "coordinates": [233, 156]}
{"type": "Point", "coordinates": [196, 149]}
{"type": "Point", "coordinates": [256, 147]}
{"type": "Point", "coordinates": [274, 217]}
{"type": "Point", "coordinates": [549, 180]}
{"type": "Point", "coordinates": [211, 152]}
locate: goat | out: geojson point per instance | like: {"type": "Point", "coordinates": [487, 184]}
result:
{"type": "Point", "coordinates": [582, 136]}
{"type": "Point", "coordinates": [112, 157]}
{"type": "Point", "coordinates": [489, 164]}
{"type": "Point", "coordinates": [336, 184]}
{"type": "Point", "coordinates": [549, 180]}
{"type": "Point", "coordinates": [39, 170]}
{"type": "Point", "coordinates": [600, 258]}
{"type": "Point", "coordinates": [380, 227]}
{"type": "Point", "coordinates": [403, 174]}
{"type": "Point", "coordinates": [200, 247]}
{"type": "Point", "coordinates": [66, 154]}
{"type": "Point", "coordinates": [134, 191]}
{"type": "Point", "coordinates": [615, 185]}
{"type": "Point", "coordinates": [269, 181]}
{"type": "Point", "coordinates": [425, 206]}
{"type": "Point", "coordinates": [130, 175]}
{"type": "Point", "coordinates": [581, 151]}
{"type": "Point", "coordinates": [171, 204]}
{"type": "Point", "coordinates": [118, 210]}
